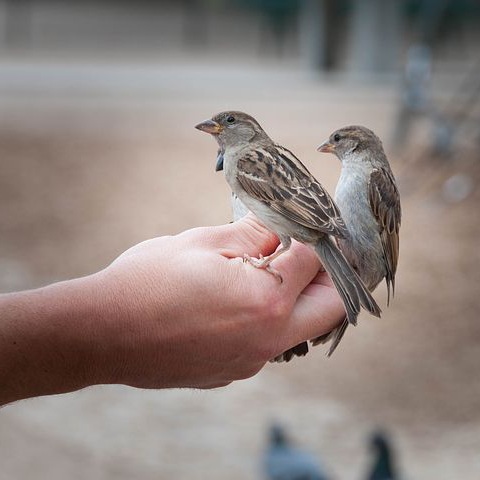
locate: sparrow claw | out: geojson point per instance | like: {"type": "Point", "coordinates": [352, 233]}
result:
{"type": "Point", "coordinates": [262, 263]}
{"type": "Point", "coordinates": [256, 262]}
{"type": "Point", "coordinates": [275, 273]}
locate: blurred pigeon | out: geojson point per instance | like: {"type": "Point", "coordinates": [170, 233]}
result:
{"type": "Point", "coordinates": [282, 461]}
{"type": "Point", "coordinates": [383, 465]}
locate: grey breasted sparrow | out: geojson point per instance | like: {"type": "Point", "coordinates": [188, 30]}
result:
{"type": "Point", "coordinates": [369, 202]}
{"type": "Point", "coordinates": [272, 183]}
{"type": "Point", "coordinates": [239, 210]}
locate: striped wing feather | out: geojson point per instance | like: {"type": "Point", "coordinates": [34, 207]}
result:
{"type": "Point", "coordinates": [385, 204]}
{"type": "Point", "coordinates": [275, 176]}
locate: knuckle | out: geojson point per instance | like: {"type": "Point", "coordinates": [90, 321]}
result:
{"type": "Point", "coordinates": [219, 384]}
{"type": "Point", "coordinates": [272, 306]}
{"type": "Point", "coordinates": [249, 370]}
{"type": "Point", "coordinates": [278, 308]}
{"type": "Point", "coordinates": [269, 310]}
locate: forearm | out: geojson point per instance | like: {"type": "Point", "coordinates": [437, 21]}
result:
{"type": "Point", "coordinates": [50, 340]}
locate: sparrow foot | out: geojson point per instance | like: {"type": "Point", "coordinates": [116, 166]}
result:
{"type": "Point", "coordinates": [262, 263]}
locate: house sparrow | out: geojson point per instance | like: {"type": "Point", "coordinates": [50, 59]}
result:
{"type": "Point", "coordinates": [272, 183]}
{"type": "Point", "coordinates": [369, 202]}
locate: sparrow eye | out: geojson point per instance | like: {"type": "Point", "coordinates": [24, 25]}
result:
{"type": "Point", "coordinates": [230, 119]}
{"type": "Point", "coordinates": [337, 137]}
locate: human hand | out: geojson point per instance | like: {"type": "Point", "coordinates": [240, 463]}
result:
{"type": "Point", "coordinates": [191, 313]}
{"type": "Point", "coordinates": [174, 311]}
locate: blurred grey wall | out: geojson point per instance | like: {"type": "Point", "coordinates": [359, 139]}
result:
{"type": "Point", "coordinates": [347, 35]}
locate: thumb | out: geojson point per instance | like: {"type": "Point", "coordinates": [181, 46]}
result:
{"type": "Point", "coordinates": [246, 235]}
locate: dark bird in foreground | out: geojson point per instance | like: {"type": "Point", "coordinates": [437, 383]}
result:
{"type": "Point", "coordinates": [272, 183]}
{"type": "Point", "coordinates": [369, 202]}
{"type": "Point", "coordinates": [383, 463]}
{"type": "Point", "coordinates": [283, 461]}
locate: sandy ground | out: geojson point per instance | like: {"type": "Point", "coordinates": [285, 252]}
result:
{"type": "Point", "coordinates": [97, 159]}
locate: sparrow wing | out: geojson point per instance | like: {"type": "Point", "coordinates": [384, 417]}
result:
{"type": "Point", "coordinates": [274, 175]}
{"type": "Point", "coordinates": [385, 204]}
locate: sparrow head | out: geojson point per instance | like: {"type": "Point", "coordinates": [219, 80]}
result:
{"type": "Point", "coordinates": [349, 140]}
{"type": "Point", "coordinates": [232, 129]}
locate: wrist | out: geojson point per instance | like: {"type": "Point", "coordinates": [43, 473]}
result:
{"type": "Point", "coordinates": [51, 341]}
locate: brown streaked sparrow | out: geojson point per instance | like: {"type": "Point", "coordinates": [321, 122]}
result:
{"type": "Point", "coordinates": [369, 202]}
{"type": "Point", "coordinates": [272, 183]}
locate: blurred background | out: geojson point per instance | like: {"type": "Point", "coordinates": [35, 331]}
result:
{"type": "Point", "coordinates": [98, 100]}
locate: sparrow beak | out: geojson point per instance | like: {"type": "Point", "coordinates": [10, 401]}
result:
{"type": "Point", "coordinates": [209, 126]}
{"type": "Point", "coordinates": [326, 147]}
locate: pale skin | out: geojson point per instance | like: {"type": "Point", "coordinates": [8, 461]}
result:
{"type": "Point", "coordinates": [174, 311]}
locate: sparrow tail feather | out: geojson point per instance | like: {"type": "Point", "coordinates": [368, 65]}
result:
{"type": "Point", "coordinates": [347, 282]}
{"type": "Point", "coordinates": [335, 335]}
{"type": "Point", "coordinates": [299, 350]}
